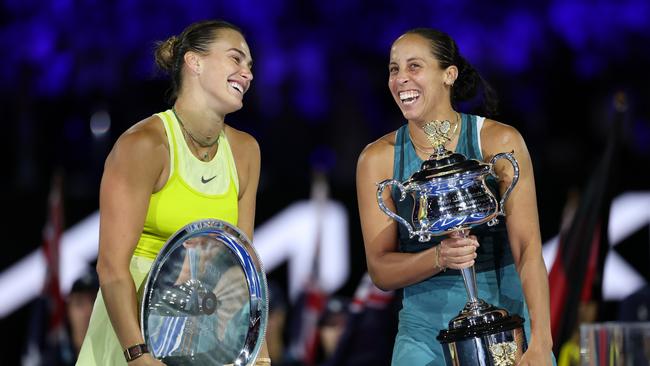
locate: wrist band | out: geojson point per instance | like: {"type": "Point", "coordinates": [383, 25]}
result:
{"type": "Point", "coordinates": [438, 266]}
{"type": "Point", "coordinates": [136, 351]}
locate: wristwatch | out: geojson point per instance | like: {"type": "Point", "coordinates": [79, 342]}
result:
{"type": "Point", "coordinates": [136, 351]}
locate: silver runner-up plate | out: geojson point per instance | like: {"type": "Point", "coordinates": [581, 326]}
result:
{"type": "Point", "coordinates": [205, 301]}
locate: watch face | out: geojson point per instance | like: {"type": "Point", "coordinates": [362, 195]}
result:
{"type": "Point", "coordinates": [205, 300]}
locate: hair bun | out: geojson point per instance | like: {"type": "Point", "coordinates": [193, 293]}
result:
{"type": "Point", "coordinates": [165, 54]}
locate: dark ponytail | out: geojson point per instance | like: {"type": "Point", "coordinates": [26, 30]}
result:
{"type": "Point", "coordinates": [469, 82]}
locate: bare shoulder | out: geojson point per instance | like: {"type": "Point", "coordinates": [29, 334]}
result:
{"type": "Point", "coordinates": [140, 156]}
{"type": "Point", "coordinates": [379, 154]}
{"type": "Point", "coordinates": [379, 148]}
{"type": "Point", "coordinates": [498, 137]}
{"type": "Point", "coordinates": [241, 143]}
{"type": "Point", "coordinates": [145, 139]}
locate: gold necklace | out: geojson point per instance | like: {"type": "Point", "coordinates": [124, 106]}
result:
{"type": "Point", "coordinates": [421, 148]}
{"type": "Point", "coordinates": [437, 131]}
{"type": "Point", "coordinates": [195, 141]}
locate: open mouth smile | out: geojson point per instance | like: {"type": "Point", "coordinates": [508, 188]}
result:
{"type": "Point", "coordinates": [237, 86]}
{"type": "Point", "coordinates": [408, 96]}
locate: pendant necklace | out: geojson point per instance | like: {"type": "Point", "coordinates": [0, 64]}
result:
{"type": "Point", "coordinates": [194, 141]}
{"type": "Point", "coordinates": [439, 132]}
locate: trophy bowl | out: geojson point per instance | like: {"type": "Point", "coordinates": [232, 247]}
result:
{"type": "Point", "coordinates": [205, 299]}
{"type": "Point", "coordinates": [449, 194]}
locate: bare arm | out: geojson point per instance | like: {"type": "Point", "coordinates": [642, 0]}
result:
{"type": "Point", "coordinates": [523, 229]}
{"type": "Point", "coordinates": [389, 268]}
{"type": "Point", "coordinates": [131, 171]}
{"type": "Point", "coordinates": [248, 158]}
{"type": "Point", "coordinates": [249, 175]}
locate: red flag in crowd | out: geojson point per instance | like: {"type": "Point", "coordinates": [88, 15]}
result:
{"type": "Point", "coordinates": [47, 326]}
{"type": "Point", "coordinates": [310, 306]}
{"type": "Point", "coordinates": [583, 246]}
{"type": "Point", "coordinates": [305, 339]}
{"type": "Point", "coordinates": [370, 329]}
{"type": "Point", "coordinates": [368, 295]}
{"type": "Point", "coordinates": [51, 248]}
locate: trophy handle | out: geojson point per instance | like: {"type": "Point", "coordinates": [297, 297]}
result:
{"type": "Point", "coordinates": [387, 211]}
{"type": "Point", "coordinates": [515, 178]}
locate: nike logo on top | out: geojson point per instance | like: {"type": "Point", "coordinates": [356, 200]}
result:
{"type": "Point", "coordinates": [204, 181]}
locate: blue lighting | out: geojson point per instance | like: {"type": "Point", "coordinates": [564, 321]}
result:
{"type": "Point", "coordinates": [305, 54]}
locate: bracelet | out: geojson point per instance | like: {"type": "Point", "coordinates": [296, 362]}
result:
{"type": "Point", "coordinates": [261, 361]}
{"type": "Point", "coordinates": [437, 264]}
{"type": "Point", "coordinates": [136, 351]}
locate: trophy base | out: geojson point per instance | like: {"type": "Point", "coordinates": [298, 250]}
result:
{"type": "Point", "coordinates": [483, 334]}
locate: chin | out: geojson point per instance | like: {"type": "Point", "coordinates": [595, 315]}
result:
{"type": "Point", "coordinates": [410, 115]}
{"type": "Point", "coordinates": [236, 106]}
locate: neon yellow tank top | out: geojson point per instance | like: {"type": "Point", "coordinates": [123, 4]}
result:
{"type": "Point", "coordinates": [195, 190]}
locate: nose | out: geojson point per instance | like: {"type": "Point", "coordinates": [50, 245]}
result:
{"type": "Point", "coordinates": [247, 73]}
{"type": "Point", "coordinates": [401, 77]}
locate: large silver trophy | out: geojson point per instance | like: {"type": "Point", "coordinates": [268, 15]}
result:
{"type": "Point", "coordinates": [450, 194]}
{"type": "Point", "coordinates": [205, 300]}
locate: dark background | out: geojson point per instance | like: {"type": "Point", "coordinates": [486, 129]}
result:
{"type": "Point", "coordinates": [319, 95]}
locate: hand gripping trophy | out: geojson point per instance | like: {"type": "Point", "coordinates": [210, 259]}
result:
{"type": "Point", "coordinates": [450, 194]}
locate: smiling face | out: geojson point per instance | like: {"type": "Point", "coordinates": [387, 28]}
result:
{"type": "Point", "coordinates": [418, 84]}
{"type": "Point", "coordinates": [224, 73]}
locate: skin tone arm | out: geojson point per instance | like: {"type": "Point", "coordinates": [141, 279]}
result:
{"type": "Point", "coordinates": [524, 235]}
{"type": "Point", "coordinates": [247, 158]}
{"type": "Point", "coordinates": [132, 170]}
{"type": "Point", "coordinates": [389, 268]}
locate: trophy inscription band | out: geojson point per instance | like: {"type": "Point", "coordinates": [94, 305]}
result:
{"type": "Point", "coordinates": [504, 353]}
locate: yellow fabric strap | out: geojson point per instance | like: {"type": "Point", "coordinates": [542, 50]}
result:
{"type": "Point", "coordinates": [180, 202]}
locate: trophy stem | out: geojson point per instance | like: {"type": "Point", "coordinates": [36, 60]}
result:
{"type": "Point", "coordinates": [469, 278]}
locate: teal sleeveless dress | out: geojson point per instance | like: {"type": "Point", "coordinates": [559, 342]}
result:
{"type": "Point", "coordinates": [428, 306]}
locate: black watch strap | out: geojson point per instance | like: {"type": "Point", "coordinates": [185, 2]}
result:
{"type": "Point", "coordinates": [136, 351]}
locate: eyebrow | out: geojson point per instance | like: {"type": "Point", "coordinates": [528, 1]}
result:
{"type": "Point", "coordinates": [409, 60]}
{"type": "Point", "coordinates": [250, 63]}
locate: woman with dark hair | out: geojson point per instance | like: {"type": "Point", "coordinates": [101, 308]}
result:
{"type": "Point", "coordinates": [427, 78]}
{"type": "Point", "coordinates": [168, 170]}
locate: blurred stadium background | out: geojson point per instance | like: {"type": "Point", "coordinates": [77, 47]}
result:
{"type": "Point", "coordinates": [76, 73]}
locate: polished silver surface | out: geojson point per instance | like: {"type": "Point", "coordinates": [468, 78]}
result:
{"type": "Point", "coordinates": [477, 313]}
{"type": "Point", "coordinates": [205, 300]}
{"type": "Point", "coordinates": [449, 197]}
{"type": "Point", "coordinates": [469, 278]}
{"type": "Point", "coordinates": [501, 348]}
{"type": "Point", "coordinates": [449, 194]}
